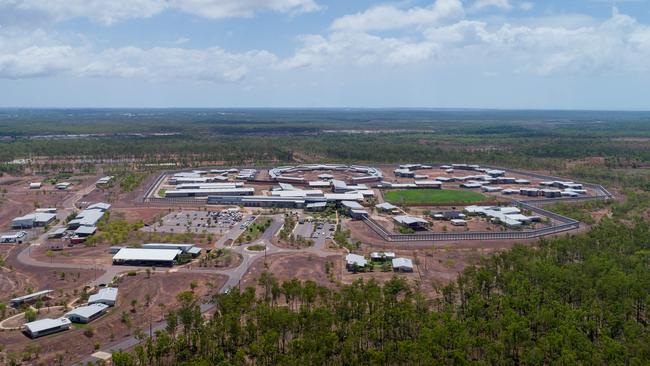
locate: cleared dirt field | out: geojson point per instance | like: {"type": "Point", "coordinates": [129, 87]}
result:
{"type": "Point", "coordinates": [79, 254]}
{"type": "Point", "coordinates": [148, 293]}
{"type": "Point", "coordinates": [17, 199]}
{"type": "Point", "coordinates": [303, 266]}
{"type": "Point", "coordinates": [65, 281]}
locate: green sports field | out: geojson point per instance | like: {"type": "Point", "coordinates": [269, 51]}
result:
{"type": "Point", "coordinates": [432, 196]}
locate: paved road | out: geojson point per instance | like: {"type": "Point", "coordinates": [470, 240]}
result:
{"type": "Point", "coordinates": [234, 275]}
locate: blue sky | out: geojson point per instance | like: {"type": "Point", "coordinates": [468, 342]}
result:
{"type": "Point", "coordinates": [564, 54]}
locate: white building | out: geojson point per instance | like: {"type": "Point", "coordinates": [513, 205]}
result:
{"type": "Point", "coordinates": [86, 314]}
{"type": "Point", "coordinates": [43, 327]}
{"type": "Point", "coordinates": [106, 296]}
{"type": "Point", "coordinates": [402, 265]}
{"type": "Point", "coordinates": [353, 260]}
{"type": "Point", "coordinates": [146, 257]}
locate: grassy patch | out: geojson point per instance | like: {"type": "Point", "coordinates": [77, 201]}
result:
{"type": "Point", "coordinates": [432, 196]}
{"type": "Point", "coordinates": [255, 230]}
{"type": "Point", "coordinates": [257, 248]}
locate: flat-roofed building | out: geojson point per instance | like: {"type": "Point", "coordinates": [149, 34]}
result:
{"type": "Point", "coordinates": [358, 214]}
{"type": "Point", "coordinates": [146, 257]}
{"type": "Point", "coordinates": [411, 221]}
{"type": "Point", "coordinates": [86, 314]}
{"type": "Point", "coordinates": [353, 261]}
{"type": "Point", "coordinates": [87, 217]}
{"type": "Point", "coordinates": [344, 196]}
{"type": "Point", "coordinates": [428, 184]}
{"type": "Point", "coordinates": [104, 181]}
{"type": "Point", "coordinates": [56, 233]}
{"type": "Point", "coordinates": [15, 238]}
{"type": "Point", "coordinates": [84, 231]}
{"type": "Point", "coordinates": [385, 206]}
{"type": "Point", "coordinates": [210, 192]}
{"type": "Point", "coordinates": [46, 326]}
{"type": "Point", "coordinates": [402, 265]}
{"type": "Point", "coordinates": [15, 302]}
{"type": "Point", "coordinates": [382, 256]}
{"type": "Point", "coordinates": [106, 296]}
{"type": "Point", "coordinates": [458, 222]}
{"type": "Point", "coordinates": [63, 186]}
{"type": "Point", "coordinates": [182, 247]}
{"type": "Point", "coordinates": [35, 219]}
{"type": "Point", "coordinates": [404, 173]}
{"type": "Point", "coordinates": [319, 184]}
{"type": "Point", "coordinates": [316, 206]}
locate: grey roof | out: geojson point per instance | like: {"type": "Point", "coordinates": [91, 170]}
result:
{"type": "Point", "coordinates": [99, 206]}
{"type": "Point", "coordinates": [316, 204]}
{"type": "Point", "coordinates": [86, 311]}
{"type": "Point", "coordinates": [353, 205]}
{"type": "Point", "coordinates": [386, 206]}
{"type": "Point", "coordinates": [88, 217]}
{"type": "Point", "coordinates": [182, 247]}
{"type": "Point", "coordinates": [339, 184]}
{"type": "Point", "coordinates": [194, 250]}
{"type": "Point", "coordinates": [85, 230]}
{"type": "Point", "coordinates": [59, 231]}
{"type": "Point", "coordinates": [402, 263]}
{"type": "Point", "coordinates": [45, 324]}
{"type": "Point", "coordinates": [408, 220]}
{"type": "Point", "coordinates": [34, 295]}
{"type": "Point", "coordinates": [108, 294]}
{"type": "Point", "coordinates": [359, 260]}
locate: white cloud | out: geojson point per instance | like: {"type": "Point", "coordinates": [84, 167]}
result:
{"type": "Point", "coordinates": [619, 44]}
{"type": "Point", "coordinates": [37, 54]}
{"type": "Point", "coordinates": [108, 12]}
{"type": "Point", "coordinates": [160, 63]}
{"type": "Point", "coordinates": [616, 45]}
{"type": "Point", "coordinates": [484, 4]}
{"type": "Point", "coordinates": [526, 6]}
{"type": "Point", "coordinates": [217, 9]}
{"type": "Point", "coordinates": [387, 17]}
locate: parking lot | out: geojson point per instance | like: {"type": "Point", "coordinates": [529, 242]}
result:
{"type": "Point", "coordinates": [215, 222]}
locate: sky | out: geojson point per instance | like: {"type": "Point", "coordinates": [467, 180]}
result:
{"type": "Point", "coordinates": [506, 54]}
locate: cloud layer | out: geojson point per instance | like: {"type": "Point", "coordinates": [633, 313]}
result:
{"type": "Point", "coordinates": [444, 35]}
{"type": "Point", "coordinates": [108, 12]}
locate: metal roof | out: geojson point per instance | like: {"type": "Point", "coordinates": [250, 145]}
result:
{"type": "Point", "coordinates": [353, 205]}
{"type": "Point", "coordinates": [359, 260]}
{"type": "Point", "coordinates": [181, 247]}
{"type": "Point", "coordinates": [105, 294]}
{"type": "Point", "coordinates": [99, 206]}
{"type": "Point", "coordinates": [85, 230]}
{"type": "Point", "coordinates": [386, 206]}
{"type": "Point", "coordinates": [134, 254]}
{"type": "Point", "coordinates": [31, 296]}
{"type": "Point", "coordinates": [45, 324]}
{"type": "Point", "coordinates": [87, 311]}
{"type": "Point", "coordinates": [408, 220]}
{"type": "Point", "coordinates": [402, 263]}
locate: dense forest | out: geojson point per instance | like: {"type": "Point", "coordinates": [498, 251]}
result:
{"type": "Point", "coordinates": [563, 142]}
{"type": "Point", "coordinates": [576, 300]}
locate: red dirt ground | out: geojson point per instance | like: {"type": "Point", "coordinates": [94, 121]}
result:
{"type": "Point", "coordinates": [73, 344]}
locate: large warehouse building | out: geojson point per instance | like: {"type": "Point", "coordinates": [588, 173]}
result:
{"type": "Point", "coordinates": [146, 257]}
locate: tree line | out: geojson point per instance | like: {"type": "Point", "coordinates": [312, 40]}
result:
{"type": "Point", "coordinates": [579, 299]}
